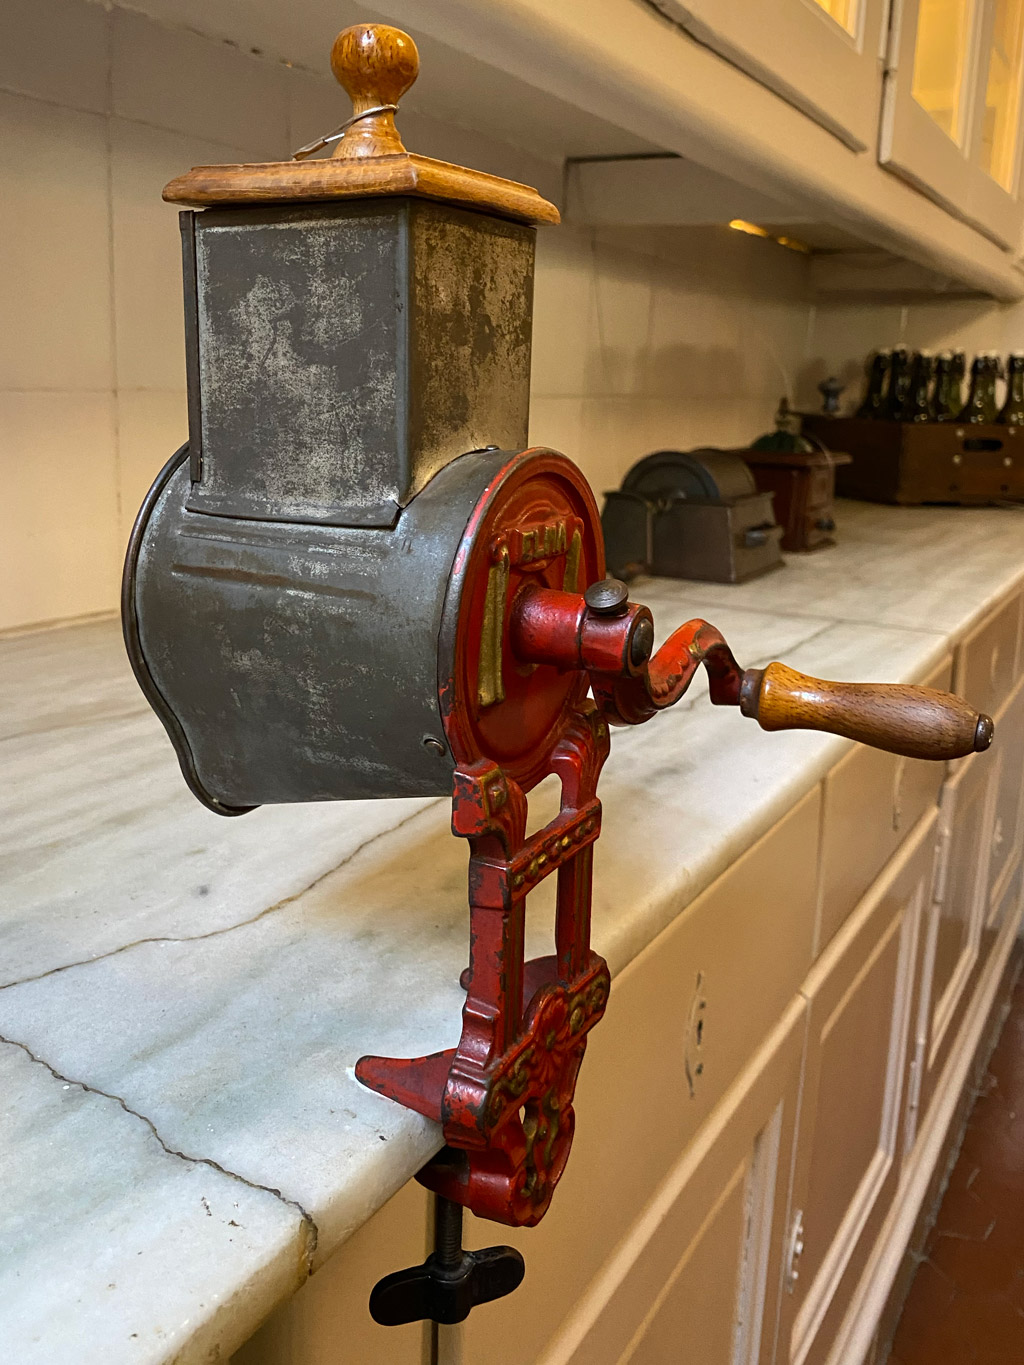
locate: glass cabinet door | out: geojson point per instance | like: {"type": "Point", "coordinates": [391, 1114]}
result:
{"type": "Point", "coordinates": [941, 47]}
{"type": "Point", "coordinates": [1000, 120]}
{"type": "Point", "coordinates": [822, 56]}
{"type": "Point", "coordinates": [951, 112]}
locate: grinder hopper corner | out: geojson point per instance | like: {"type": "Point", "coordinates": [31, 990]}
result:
{"type": "Point", "coordinates": [355, 581]}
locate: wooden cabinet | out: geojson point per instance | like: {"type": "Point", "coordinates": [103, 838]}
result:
{"type": "Point", "coordinates": [781, 97]}
{"type": "Point", "coordinates": [696, 1279]}
{"type": "Point", "coordinates": [979, 841]}
{"type": "Point", "coordinates": [683, 1021]}
{"type": "Point", "coordinates": [951, 113]}
{"type": "Point", "coordinates": [848, 1147]}
{"type": "Point", "coordinates": [822, 56]}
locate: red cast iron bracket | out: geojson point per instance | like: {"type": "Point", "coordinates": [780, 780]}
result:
{"type": "Point", "coordinates": [504, 1095]}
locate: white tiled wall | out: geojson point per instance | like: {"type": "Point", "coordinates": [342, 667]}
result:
{"type": "Point", "coordinates": [633, 353]}
{"type": "Point", "coordinates": [99, 108]}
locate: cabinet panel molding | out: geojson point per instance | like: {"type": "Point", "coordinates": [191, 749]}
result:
{"type": "Point", "coordinates": [852, 1339]}
{"type": "Point", "coordinates": [957, 914]}
{"type": "Point", "coordinates": [1008, 817]}
{"type": "Point", "coordinates": [860, 995]}
{"type": "Point", "coordinates": [828, 67]}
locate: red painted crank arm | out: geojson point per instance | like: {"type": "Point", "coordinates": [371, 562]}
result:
{"type": "Point", "coordinates": [636, 697]}
{"type": "Point", "coordinates": [610, 638]}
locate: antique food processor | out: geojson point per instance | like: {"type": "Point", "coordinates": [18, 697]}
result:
{"type": "Point", "coordinates": [356, 581]}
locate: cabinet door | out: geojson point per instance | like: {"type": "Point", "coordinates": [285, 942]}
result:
{"type": "Point", "coordinates": [823, 56]}
{"type": "Point", "coordinates": [696, 1278]}
{"type": "Point", "coordinates": [957, 914]}
{"type": "Point", "coordinates": [849, 1141]}
{"type": "Point", "coordinates": [951, 109]}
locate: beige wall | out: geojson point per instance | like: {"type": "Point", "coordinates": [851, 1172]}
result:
{"type": "Point", "coordinates": [635, 350]}
{"type": "Point", "coordinates": [842, 335]}
{"type": "Point", "coordinates": [98, 109]}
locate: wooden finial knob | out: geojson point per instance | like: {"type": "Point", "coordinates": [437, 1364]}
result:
{"type": "Point", "coordinates": [376, 64]}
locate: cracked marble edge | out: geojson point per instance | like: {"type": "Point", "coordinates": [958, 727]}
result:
{"type": "Point", "coordinates": [237, 1275]}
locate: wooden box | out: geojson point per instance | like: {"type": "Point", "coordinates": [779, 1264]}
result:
{"type": "Point", "coordinates": [803, 484]}
{"type": "Point", "coordinates": [915, 462]}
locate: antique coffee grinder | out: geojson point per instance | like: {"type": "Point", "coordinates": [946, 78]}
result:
{"type": "Point", "coordinates": [355, 581]}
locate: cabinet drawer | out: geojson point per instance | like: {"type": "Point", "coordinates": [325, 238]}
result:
{"type": "Point", "coordinates": [987, 659]}
{"type": "Point", "coordinates": [872, 800]}
{"type": "Point", "coordinates": [849, 1141]}
{"type": "Point", "coordinates": [683, 1020]}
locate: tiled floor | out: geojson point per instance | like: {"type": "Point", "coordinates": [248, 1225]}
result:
{"type": "Point", "coordinates": [966, 1305]}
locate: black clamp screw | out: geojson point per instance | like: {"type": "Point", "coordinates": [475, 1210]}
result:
{"type": "Point", "coordinates": [451, 1282]}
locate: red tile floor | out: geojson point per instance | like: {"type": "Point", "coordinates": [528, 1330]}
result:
{"type": "Point", "coordinates": [966, 1304]}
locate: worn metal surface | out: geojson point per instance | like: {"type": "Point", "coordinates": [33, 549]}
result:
{"type": "Point", "coordinates": [691, 514]}
{"type": "Point", "coordinates": [345, 352]}
{"type": "Point", "coordinates": [704, 475]}
{"type": "Point", "coordinates": [728, 542]}
{"type": "Point", "coordinates": [133, 642]}
{"type": "Point", "coordinates": [303, 665]}
{"type": "Point", "coordinates": [186, 224]}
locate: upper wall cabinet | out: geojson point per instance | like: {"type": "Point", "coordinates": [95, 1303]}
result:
{"type": "Point", "coordinates": [823, 56]}
{"type": "Point", "coordinates": [951, 114]}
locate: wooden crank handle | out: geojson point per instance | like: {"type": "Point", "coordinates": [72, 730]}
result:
{"type": "Point", "coordinates": [918, 722]}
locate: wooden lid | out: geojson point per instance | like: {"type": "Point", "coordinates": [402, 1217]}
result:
{"type": "Point", "coordinates": [376, 64]}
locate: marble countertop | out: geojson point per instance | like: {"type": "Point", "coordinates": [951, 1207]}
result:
{"type": "Point", "coordinates": [183, 997]}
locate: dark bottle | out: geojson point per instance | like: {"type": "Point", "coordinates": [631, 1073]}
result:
{"type": "Point", "coordinates": [874, 399]}
{"type": "Point", "coordinates": [898, 391]}
{"type": "Point", "coordinates": [946, 400]}
{"type": "Point", "coordinates": [956, 383]}
{"type": "Point", "coordinates": [1012, 414]}
{"type": "Point", "coordinates": [918, 407]}
{"type": "Point", "coordinates": [981, 405]}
